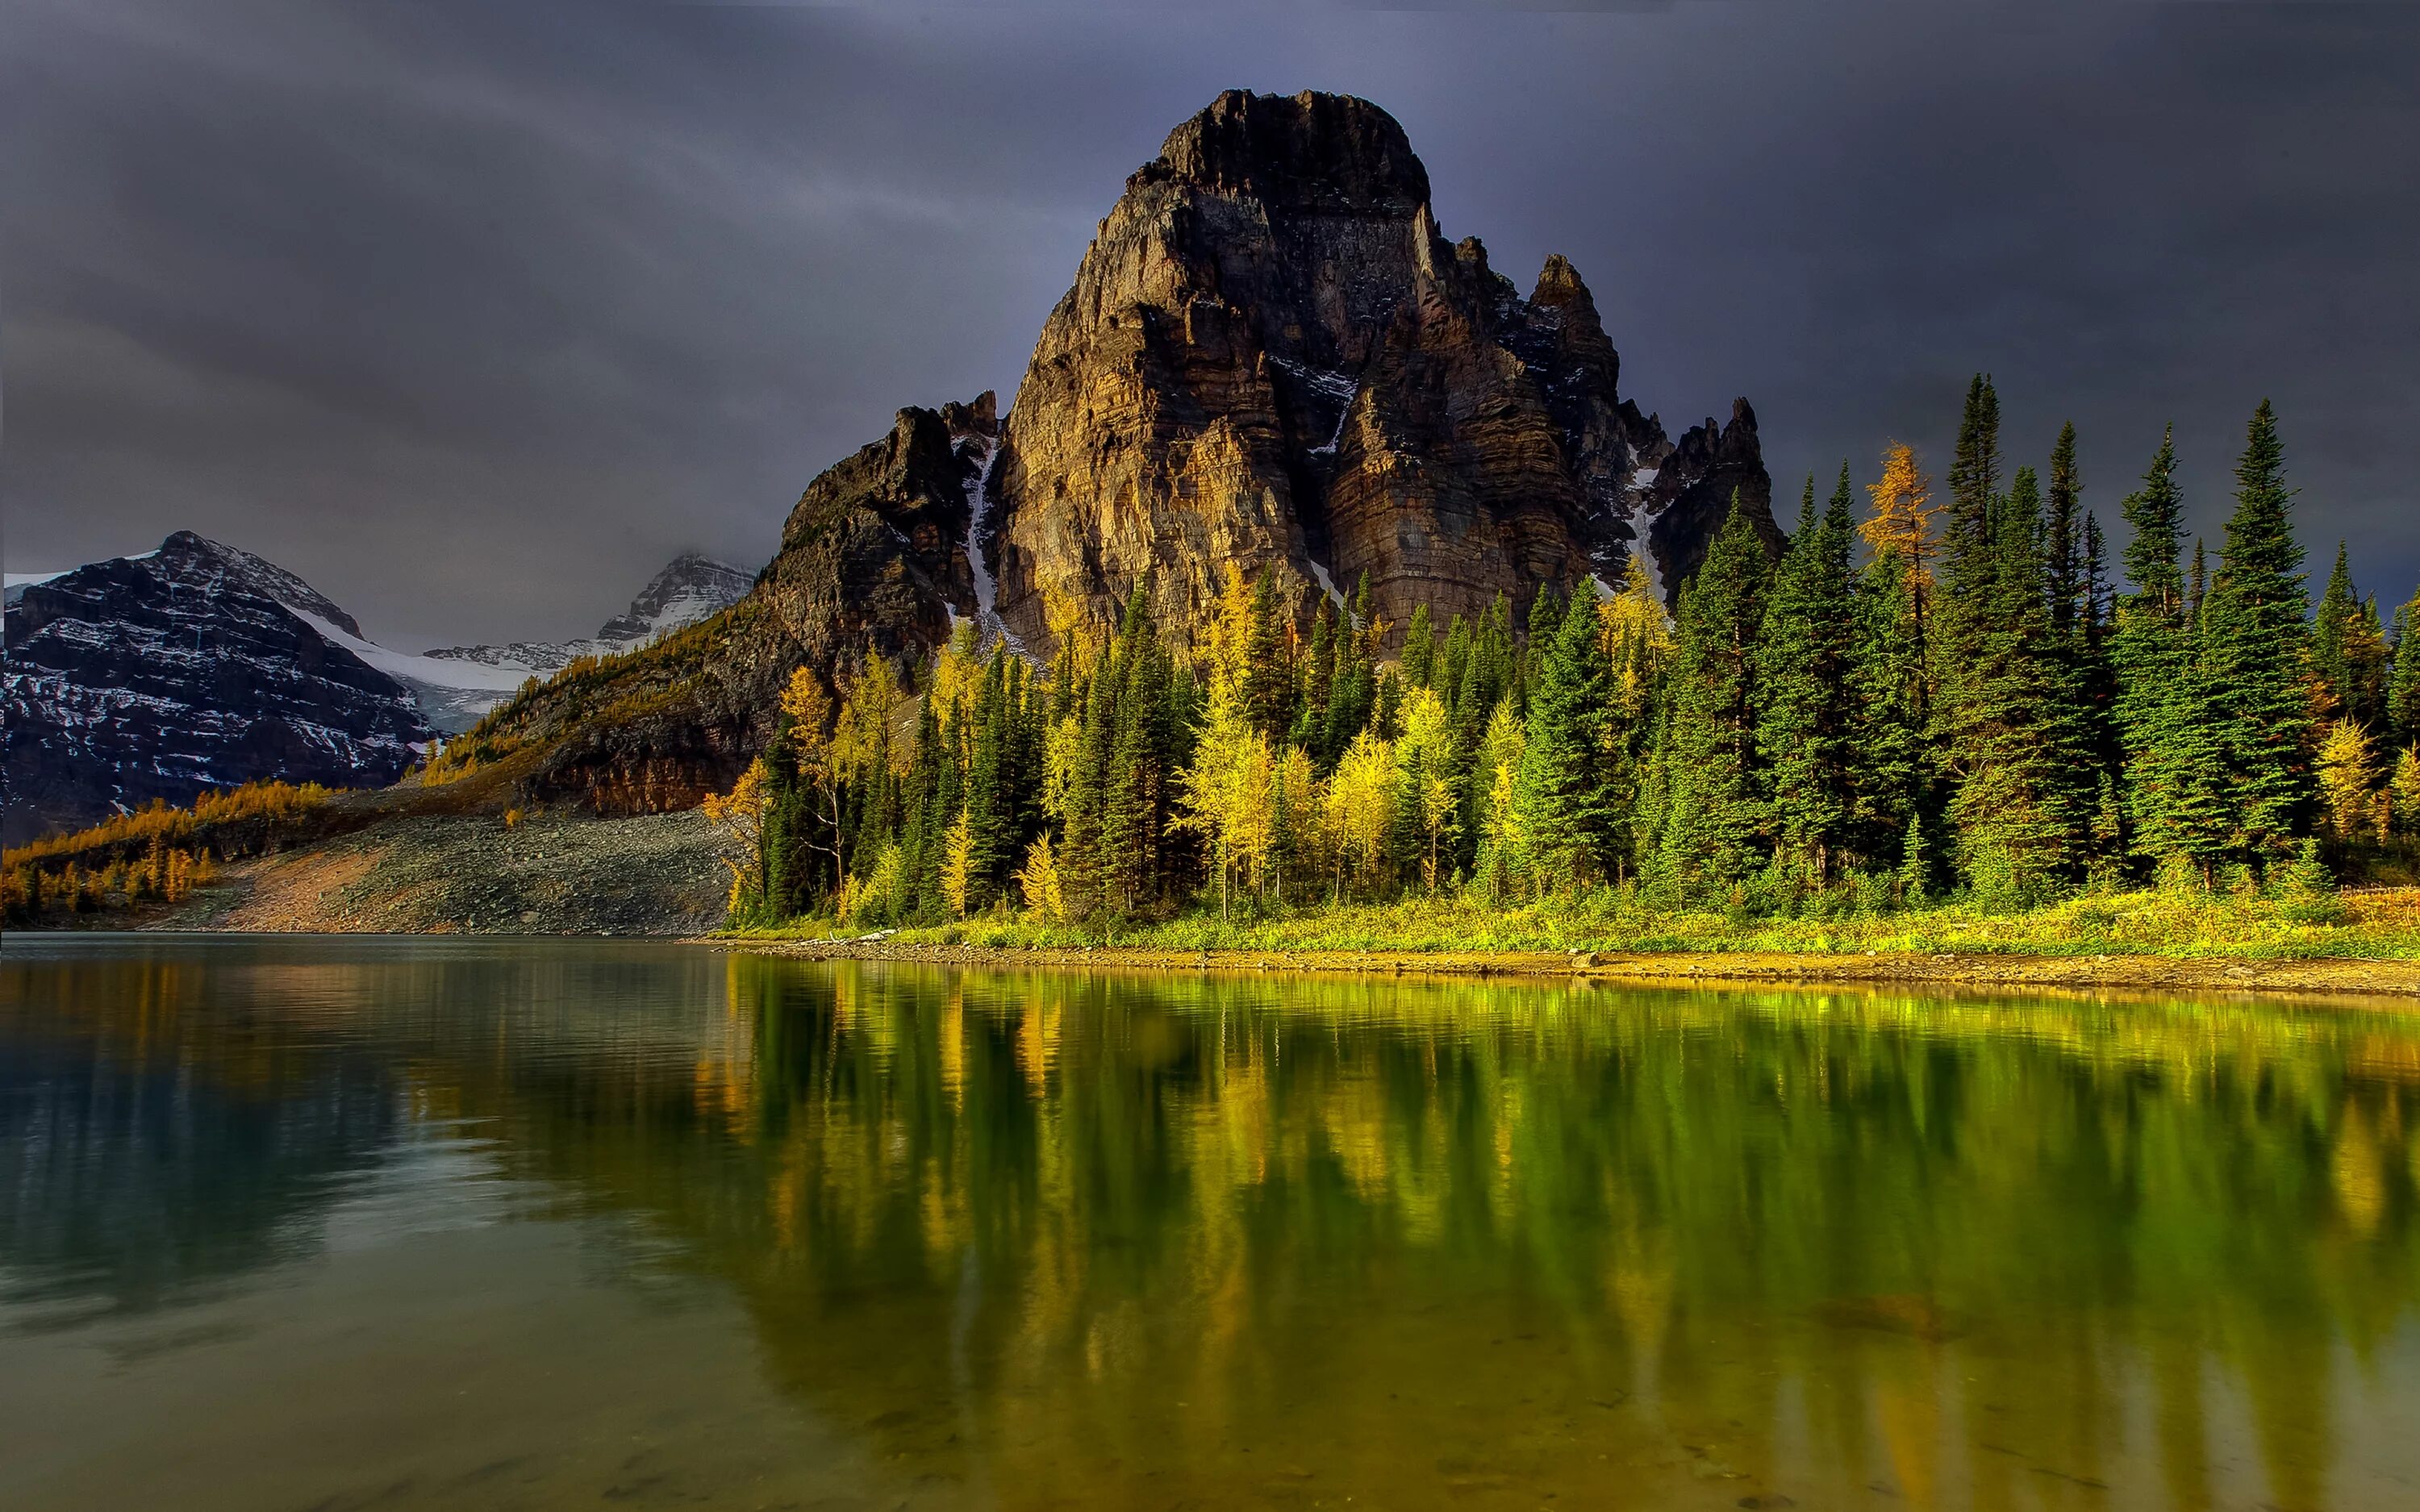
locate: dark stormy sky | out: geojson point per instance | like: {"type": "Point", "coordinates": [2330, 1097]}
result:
{"type": "Point", "coordinates": [474, 315]}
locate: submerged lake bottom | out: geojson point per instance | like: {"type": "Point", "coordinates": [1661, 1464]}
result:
{"type": "Point", "coordinates": [339, 1223]}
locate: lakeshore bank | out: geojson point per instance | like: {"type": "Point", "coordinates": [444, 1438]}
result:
{"type": "Point", "coordinates": [2327, 976]}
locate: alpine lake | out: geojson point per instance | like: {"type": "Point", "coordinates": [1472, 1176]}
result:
{"type": "Point", "coordinates": [338, 1222]}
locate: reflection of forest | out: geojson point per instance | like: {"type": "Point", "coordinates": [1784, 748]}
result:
{"type": "Point", "coordinates": [1050, 1231]}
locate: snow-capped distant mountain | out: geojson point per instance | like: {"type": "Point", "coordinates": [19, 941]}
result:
{"type": "Point", "coordinates": [199, 666]}
{"type": "Point", "coordinates": [690, 588]}
{"type": "Point", "coordinates": [192, 667]}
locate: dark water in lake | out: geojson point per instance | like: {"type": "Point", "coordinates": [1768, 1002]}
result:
{"type": "Point", "coordinates": [355, 1223]}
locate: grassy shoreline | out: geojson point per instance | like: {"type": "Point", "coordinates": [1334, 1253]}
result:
{"type": "Point", "coordinates": [2136, 974]}
{"type": "Point", "coordinates": [2366, 942]}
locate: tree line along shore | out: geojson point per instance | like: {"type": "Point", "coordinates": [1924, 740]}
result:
{"type": "Point", "coordinates": [1942, 722]}
{"type": "Point", "coordinates": [1938, 715]}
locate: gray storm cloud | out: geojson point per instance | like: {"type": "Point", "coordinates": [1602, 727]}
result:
{"type": "Point", "coordinates": [474, 314]}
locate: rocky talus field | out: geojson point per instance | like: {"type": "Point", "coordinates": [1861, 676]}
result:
{"type": "Point", "coordinates": [549, 874]}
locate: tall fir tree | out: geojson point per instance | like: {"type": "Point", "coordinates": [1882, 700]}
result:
{"type": "Point", "coordinates": [2329, 622]}
{"type": "Point", "coordinates": [2403, 680]}
{"type": "Point", "coordinates": [1717, 826]}
{"type": "Point", "coordinates": [1968, 540]}
{"type": "Point", "coordinates": [2063, 523]}
{"type": "Point", "coordinates": [1420, 649]}
{"type": "Point", "coordinates": [2254, 630]}
{"type": "Point", "coordinates": [2348, 652]}
{"type": "Point", "coordinates": [2007, 801]}
{"type": "Point", "coordinates": [1806, 707]}
{"type": "Point", "coordinates": [1268, 674]}
{"type": "Point", "coordinates": [1564, 794]}
{"type": "Point", "coordinates": [2072, 715]}
{"type": "Point", "coordinates": [1895, 762]}
{"type": "Point", "coordinates": [991, 799]}
{"type": "Point", "coordinates": [1970, 579]}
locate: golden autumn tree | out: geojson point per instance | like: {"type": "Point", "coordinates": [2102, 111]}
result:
{"type": "Point", "coordinates": [1637, 637]}
{"type": "Point", "coordinates": [1224, 795]}
{"type": "Point", "coordinates": [1901, 521]}
{"type": "Point", "coordinates": [2346, 778]}
{"type": "Point", "coordinates": [1424, 756]}
{"type": "Point", "coordinates": [737, 821]}
{"type": "Point", "coordinates": [958, 864]}
{"type": "Point", "coordinates": [812, 751]}
{"type": "Point", "coordinates": [2404, 786]}
{"type": "Point", "coordinates": [1039, 881]}
{"type": "Point", "coordinates": [1231, 631]}
{"type": "Point", "coordinates": [861, 742]}
{"type": "Point", "coordinates": [1360, 807]}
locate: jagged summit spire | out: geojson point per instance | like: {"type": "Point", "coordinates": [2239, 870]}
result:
{"type": "Point", "coordinates": [1305, 152]}
{"type": "Point", "coordinates": [1272, 358]}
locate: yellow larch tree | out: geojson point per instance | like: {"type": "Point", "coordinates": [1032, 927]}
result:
{"type": "Point", "coordinates": [1901, 521]}
{"type": "Point", "coordinates": [1223, 795]}
{"type": "Point", "coordinates": [958, 864]}
{"type": "Point", "coordinates": [2346, 778]}
{"type": "Point", "coordinates": [861, 742]}
{"type": "Point", "coordinates": [2404, 786]}
{"type": "Point", "coordinates": [1637, 636]}
{"type": "Point", "coordinates": [1038, 880]}
{"type": "Point", "coordinates": [804, 703]}
{"type": "Point", "coordinates": [1422, 757]}
{"type": "Point", "coordinates": [1360, 807]}
{"type": "Point", "coordinates": [737, 821]}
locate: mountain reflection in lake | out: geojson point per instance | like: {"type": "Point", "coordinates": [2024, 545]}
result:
{"type": "Point", "coordinates": [335, 1222]}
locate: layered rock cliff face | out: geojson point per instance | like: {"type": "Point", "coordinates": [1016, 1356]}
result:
{"type": "Point", "coordinates": [1272, 356]}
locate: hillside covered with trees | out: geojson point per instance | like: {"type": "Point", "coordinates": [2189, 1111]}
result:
{"type": "Point", "coordinates": [1930, 693]}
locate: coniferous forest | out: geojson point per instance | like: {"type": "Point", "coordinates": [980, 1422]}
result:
{"type": "Point", "coordinates": [1933, 694]}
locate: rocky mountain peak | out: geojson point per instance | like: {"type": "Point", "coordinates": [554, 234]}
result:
{"type": "Point", "coordinates": [187, 668]}
{"type": "Point", "coordinates": [691, 587]}
{"type": "Point", "coordinates": [1272, 356]}
{"type": "Point", "coordinates": [979, 418]}
{"type": "Point", "coordinates": [1692, 493]}
{"type": "Point", "coordinates": [1311, 152]}
{"type": "Point", "coordinates": [196, 562]}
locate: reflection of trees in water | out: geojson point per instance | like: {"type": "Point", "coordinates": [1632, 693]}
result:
{"type": "Point", "coordinates": [1000, 1212]}
{"type": "Point", "coordinates": [153, 1142]}
{"type": "Point", "coordinates": [1009, 1223]}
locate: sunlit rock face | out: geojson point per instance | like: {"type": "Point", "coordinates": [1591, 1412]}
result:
{"type": "Point", "coordinates": [1273, 357]}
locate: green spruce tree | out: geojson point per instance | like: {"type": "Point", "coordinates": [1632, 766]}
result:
{"type": "Point", "coordinates": [1717, 831]}
{"type": "Point", "coordinates": [2255, 631]}
{"type": "Point", "coordinates": [1807, 706]}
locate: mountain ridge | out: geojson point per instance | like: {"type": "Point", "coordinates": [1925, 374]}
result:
{"type": "Point", "coordinates": [199, 665]}
{"type": "Point", "coordinates": [1270, 358]}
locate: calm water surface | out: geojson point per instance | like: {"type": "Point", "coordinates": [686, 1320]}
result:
{"type": "Point", "coordinates": [339, 1223]}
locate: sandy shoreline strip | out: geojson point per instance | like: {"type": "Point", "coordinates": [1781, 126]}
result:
{"type": "Point", "coordinates": [2129, 973]}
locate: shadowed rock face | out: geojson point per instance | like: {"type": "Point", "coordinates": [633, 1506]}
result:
{"type": "Point", "coordinates": [184, 669]}
{"type": "Point", "coordinates": [873, 559]}
{"type": "Point", "coordinates": [1272, 356]}
{"type": "Point", "coordinates": [1692, 494]}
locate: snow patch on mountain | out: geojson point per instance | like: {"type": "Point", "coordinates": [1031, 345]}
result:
{"type": "Point", "coordinates": [458, 684]}
{"type": "Point", "coordinates": [17, 582]}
